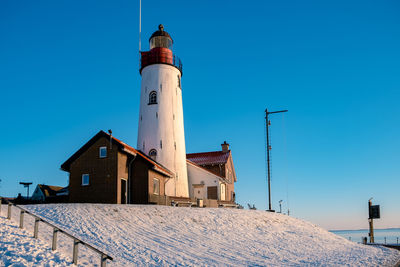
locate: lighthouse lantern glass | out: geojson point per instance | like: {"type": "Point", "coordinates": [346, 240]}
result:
{"type": "Point", "coordinates": [160, 41]}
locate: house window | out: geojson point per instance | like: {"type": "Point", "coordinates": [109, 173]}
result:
{"type": "Point", "coordinates": [85, 179]}
{"type": "Point", "coordinates": [103, 151]}
{"type": "Point", "coordinates": [156, 186]}
{"type": "Point", "coordinates": [153, 154]}
{"type": "Point", "coordinates": [179, 81]}
{"type": "Point", "coordinates": [153, 98]}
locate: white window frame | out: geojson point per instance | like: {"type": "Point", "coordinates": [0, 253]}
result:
{"type": "Point", "coordinates": [158, 181]}
{"type": "Point", "coordinates": [100, 149]}
{"type": "Point", "coordinates": [88, 179]}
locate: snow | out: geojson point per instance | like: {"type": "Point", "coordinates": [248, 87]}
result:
{"type": "Point", "coordinates": [159, 235]}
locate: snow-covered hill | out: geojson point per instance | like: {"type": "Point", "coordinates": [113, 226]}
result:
{"type": "Point", "coordinates": [157, 235]}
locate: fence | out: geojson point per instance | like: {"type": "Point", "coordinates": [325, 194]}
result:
{"type": "Point", "coordinates": [76, 241]}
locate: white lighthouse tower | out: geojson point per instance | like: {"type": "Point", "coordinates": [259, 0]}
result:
{"type": "Point", "coordinates": [161, 132]}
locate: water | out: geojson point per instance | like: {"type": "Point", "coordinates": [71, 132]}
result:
{"type": "Point", "coordinates": [392, 235]}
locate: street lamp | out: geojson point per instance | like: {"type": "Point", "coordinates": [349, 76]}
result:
{"type": "Point", "coordinates": [26, 185]}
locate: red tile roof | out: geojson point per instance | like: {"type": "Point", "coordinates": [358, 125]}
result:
{"type": "Point", "coordinates": [209, 158]}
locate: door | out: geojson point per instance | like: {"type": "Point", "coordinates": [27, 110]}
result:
{"type": "Point", "coordinates": [124, 192]}
{"type": "Point", "coordinates": [212, 192]}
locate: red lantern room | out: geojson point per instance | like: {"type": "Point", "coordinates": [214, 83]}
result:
{"type": "Point", "coordinates": [160, 51]}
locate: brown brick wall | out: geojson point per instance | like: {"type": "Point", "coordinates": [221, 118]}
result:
{"type": "Point", "coordinates": [139, 181]}
{"type": "Point", "coordinates": [161, 178]}
{"type": "Point", "coordinates": [102, 172]}
{"type": "Point", "coordinates": [122, 173]}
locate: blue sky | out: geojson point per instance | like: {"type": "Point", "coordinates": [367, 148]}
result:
{"type": "Point", "coordinates": [70, 68]}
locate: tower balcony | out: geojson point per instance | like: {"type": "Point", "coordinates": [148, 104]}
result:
{"type": "Point", "coordinates": [159, 55]}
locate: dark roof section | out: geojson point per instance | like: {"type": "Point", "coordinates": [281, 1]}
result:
{"type": "Point", "coordinates": [209, 158]}
{"type": "Point", "coordinates": [50, 190]}
{"type": "Point", "coordinates": [161, 32]}
{"type": "Point", "coordinates": [121, 145]}
{"type": "Point", "coordinates": [207, 170]}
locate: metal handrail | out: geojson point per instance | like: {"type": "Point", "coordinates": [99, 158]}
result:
{"type": "Point", "coordinates": [104, 256]}
{"type": "Point", "coordinates": [161, 59]}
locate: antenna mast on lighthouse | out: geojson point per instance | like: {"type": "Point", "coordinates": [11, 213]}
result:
{"type": "Point", "coordinates": [140, 25]}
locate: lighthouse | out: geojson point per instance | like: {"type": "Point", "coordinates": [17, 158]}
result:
{"type": "Point", "coordinates": [161, 133]}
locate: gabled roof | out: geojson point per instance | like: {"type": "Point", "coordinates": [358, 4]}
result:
{"type": "Point", "coordinates": [209, 158]}
{"type": "Point", "coordinates": [123, 146]}
{"type": "Point", "coordinates": [49, 190]}
{"type": "Point", "coordinates": [206, 170]}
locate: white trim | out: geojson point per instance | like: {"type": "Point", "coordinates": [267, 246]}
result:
{"type": "Point", "coordinates": [159, 184]}
{"type": "Point", "coordinates": [88, 182]}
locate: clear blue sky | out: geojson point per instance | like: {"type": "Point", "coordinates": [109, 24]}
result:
{"type": "Point", "coordinates": [70, 68]}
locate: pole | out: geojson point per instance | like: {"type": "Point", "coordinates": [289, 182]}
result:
{"type": "Point", "coordinates": [268, 171]}
{"type": "Point", "coordinates": [268, 157]}
{"type": "Point", "coordinates": [140, 25]}
{"type": "Point", "coordinates": [371, 222]}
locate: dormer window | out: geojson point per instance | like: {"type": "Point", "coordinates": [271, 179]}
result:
{"type": "Point", "coordinates": [153, 154]}
{"type": "Point", "coordinates": [103, 151]}
{"type": "Point", "coordinates": [153, 98]}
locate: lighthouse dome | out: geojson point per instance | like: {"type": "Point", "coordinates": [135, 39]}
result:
{"type": "Point", "coordinates": [160, 38]}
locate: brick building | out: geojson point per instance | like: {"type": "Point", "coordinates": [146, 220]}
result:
{"type": "Point", "coordinates": [106, 170]}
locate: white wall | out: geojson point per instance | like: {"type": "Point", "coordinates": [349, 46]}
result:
{"type": "Point", "coordinates": [164, 122]}
{"type": "Point", "coordinates": [198, 175]}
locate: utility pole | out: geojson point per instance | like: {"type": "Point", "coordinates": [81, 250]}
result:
{"type": "Point", "coordinates": [371, 223]}
{"type": "Point", "coordinates": [27, 186]}
{"type": "Point", "coordinates": [268, 160]}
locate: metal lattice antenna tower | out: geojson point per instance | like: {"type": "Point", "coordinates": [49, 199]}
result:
{"type": "Point", "coordinates": [268, 156]}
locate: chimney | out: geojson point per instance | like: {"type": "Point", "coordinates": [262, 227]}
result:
{"type": "Point", "coordinates": [225, 147]}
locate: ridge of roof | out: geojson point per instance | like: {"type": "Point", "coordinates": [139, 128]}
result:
{"type": "Point", "coordinates": [134, 151]}
{"type": "Point", "coordinates": [126, 148]}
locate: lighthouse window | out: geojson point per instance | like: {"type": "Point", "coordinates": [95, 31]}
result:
{"type": "Point", "coordinates": [179, 81]}
{"type": "Point", "coordinates": [153, 154]}
{"type": "Point", "coordinates": [153, 98]}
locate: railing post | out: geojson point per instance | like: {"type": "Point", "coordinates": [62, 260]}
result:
{"type": "Point", "coordinates": [75, 252]}
{"type": "Point", "coordinates": [21, 219]}
{"type": "Point", "coordinates": [9, 211]}
{"type": "Point", "coordinates": [36, 228]}
{"type": "Point", "coordinates": [103, 260]}
{"type": "Point", "coordinates": [54, 242]}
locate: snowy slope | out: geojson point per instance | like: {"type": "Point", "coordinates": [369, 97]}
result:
{"type": "Point", "coordinates": [159, 235]}
{"type": "Point", "coordinates": [18, 248]}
